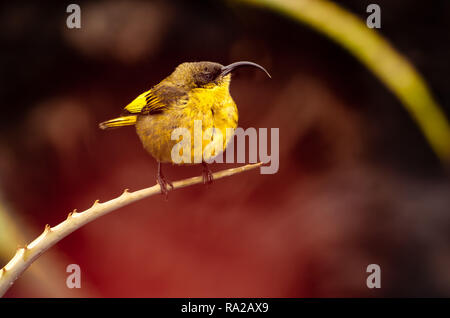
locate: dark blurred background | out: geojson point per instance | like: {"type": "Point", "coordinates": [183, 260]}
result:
{"type": "Point", "coordinates": [357, 185]}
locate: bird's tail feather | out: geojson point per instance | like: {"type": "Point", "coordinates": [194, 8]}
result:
{"type": "Point", "coordinates": [118, 122]}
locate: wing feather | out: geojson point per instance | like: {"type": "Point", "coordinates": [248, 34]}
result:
{"type": "Point", "coordinates": [156, 100]}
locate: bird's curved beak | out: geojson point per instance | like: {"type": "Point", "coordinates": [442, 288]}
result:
{"type": "Point", "coordinates": [229, 68]}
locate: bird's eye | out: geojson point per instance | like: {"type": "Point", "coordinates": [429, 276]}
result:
{"type": "Point", "coordinates": [204, 78]}
{"type": "Point", "coordinates": [208, 76]}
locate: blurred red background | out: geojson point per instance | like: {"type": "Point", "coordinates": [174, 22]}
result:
{"type": "Point", "coordinates": [357, 183]}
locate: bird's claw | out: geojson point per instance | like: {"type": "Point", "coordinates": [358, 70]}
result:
{"type": "Point", "coordinates": [164, 183]}
{"type": "Point", "coordinates": [207, 175]}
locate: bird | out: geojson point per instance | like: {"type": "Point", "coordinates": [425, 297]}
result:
{"type": "Point", "coordinates": [194, 91]}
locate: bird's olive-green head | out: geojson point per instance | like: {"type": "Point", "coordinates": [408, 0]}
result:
{"type": "Point", "coordinates": [192, 85]}
{"type": "Point", "coordinates": [206, 74]}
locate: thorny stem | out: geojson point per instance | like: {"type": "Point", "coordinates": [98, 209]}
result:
{"type": "Point", "coordinates": [27, 254]}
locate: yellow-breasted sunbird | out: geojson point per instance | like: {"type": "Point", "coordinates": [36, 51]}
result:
{"type": "Point", "coordinates": [196, 91]}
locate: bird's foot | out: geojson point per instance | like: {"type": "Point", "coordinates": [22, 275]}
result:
{"type": "Point", "coordinates": [207, 174]}
{"type": "Point", "coordinates": [164, 183]}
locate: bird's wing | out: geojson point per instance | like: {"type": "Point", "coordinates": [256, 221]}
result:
{"type": "Point", "coordinates": [156, 100]}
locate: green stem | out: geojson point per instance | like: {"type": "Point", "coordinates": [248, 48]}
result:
{"type": "Point", "coordinates": [377, 55]}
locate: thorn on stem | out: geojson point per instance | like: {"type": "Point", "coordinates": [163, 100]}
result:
{"type": "Point", "coordinates": [22, 247]}
{"type": "Point", "coordinates": [72, 213]}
